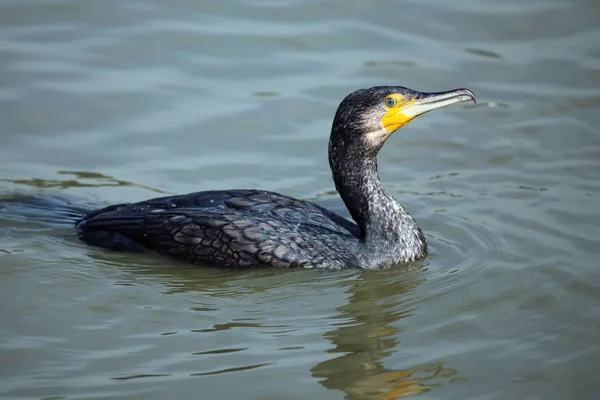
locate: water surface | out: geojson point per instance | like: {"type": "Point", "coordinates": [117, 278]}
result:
{"type": "Point", "coordinates": [111, 103]}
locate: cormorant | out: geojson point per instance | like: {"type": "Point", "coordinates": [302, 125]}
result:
{"type": "Point", "coordinates": [249, 228]}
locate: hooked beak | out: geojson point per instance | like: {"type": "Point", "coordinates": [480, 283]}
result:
{"type": "Point", "coordinates": [424, 102]}
{"type": "Point", "coordinates": [420, 103]}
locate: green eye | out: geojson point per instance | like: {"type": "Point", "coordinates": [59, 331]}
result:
{"type": "Point", "coordinates": [390, 102]}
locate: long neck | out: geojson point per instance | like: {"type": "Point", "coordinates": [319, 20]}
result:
{"type": "Point", "coordinates": [384, 223]}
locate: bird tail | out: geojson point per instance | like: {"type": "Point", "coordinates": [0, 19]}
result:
{"type": "Point", "coordinates": [54, 210]}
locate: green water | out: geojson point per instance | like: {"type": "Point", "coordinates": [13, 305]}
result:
{"type": "Point", "coordinates": [121, 101]}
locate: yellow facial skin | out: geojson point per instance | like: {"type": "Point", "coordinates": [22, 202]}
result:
{"type": "Point", "coordinates": [394, 118]}
{"type": "Point", "coordinates": [403, 108]}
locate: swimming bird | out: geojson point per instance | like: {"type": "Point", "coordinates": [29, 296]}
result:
{"type": "Point", "coordinates": [250, 228]}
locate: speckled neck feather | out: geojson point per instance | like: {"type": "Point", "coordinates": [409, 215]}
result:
{"type": "Point", "coordinates": [386, 228]}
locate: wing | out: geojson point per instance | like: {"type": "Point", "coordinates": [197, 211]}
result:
{"type": "Point", "coordinates": [254, 201]}
{"type": "Point", "coordinates": [233, 228]}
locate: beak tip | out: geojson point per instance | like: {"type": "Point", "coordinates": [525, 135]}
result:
{"type": "Point", "coordinates": [467, 95]}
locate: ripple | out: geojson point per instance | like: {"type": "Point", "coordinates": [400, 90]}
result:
{"type": "Point", "coordinates": [127, 378]}
{"type": "Point", "coordinates": [218, 351]}
{"type": "Point", "coordinates": [97, 180]}
{"type": "Point", "coordinates": [391, 63]}
{"type": "Point", "coordinates": [485, 53]}
{"type": "Point", "coordinates": [233, 369]}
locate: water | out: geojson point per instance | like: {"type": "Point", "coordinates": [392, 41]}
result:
{"type": "Point", "coordinates": [125, 101]}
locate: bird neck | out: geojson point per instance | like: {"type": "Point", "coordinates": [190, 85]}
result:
{"type": "Point", "coordinates": [385, 225]}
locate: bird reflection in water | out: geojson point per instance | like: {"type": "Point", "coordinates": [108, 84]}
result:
{"type": "Point", "coordinates": [366, 328]}
{"type": "Point", "coordinates": [369, 334]}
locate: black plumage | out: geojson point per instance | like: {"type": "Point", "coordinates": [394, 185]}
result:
{"type": "Point", "coordinates": [243, 228]}
{"type": "Point", "coordinates": [249, 228]}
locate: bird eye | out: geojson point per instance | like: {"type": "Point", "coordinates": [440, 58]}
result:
{"type": "Point", "coordinates": [390, 102]}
